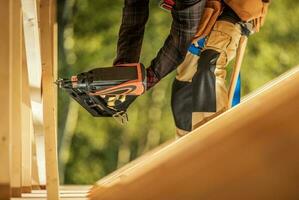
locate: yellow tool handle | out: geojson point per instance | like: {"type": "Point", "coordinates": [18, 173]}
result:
{"type": "Point", "coordinates": [236, 70]}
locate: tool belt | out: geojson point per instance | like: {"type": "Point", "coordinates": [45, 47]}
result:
{"type": "Point", "coordinates": [252, 11]}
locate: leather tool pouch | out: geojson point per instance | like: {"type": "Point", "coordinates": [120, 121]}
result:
{"type": "Point", "coordinates": [211, 13]}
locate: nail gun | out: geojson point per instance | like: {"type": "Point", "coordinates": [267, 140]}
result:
{"type": "Point", "coordinates": [93, 88]}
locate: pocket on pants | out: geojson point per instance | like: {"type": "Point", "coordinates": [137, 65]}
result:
{"type": "Point", "coordinates": [218, 40]}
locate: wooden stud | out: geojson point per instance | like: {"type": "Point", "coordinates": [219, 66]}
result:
{"type": "Point", "coordinates": [33, 54]}
{"type": "Point", "coordinates": [48, 50]}
{"type": "Point", "coordinates": [35, 182]}
{"type": "Point", "coordinates": [5, 65]}
{"type": "Point", "coordinates": [55, 59]}
{"type": "Point", "coordinates": [26, 131]}
{"type": "Point", "coordinates": [16, 99]}
{"type": "Point", "coordinates": [32, 45]}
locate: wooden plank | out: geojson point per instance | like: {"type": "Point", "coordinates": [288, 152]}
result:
{"type": "Point", "coordinates": [5, 65]}
{"type": "Point", "coordinates": [16, 99]}
{"type": "Point", "coordinates": [33, 54]}
{"type": "Point", "coordinates": [249, 152]}
{"type": "Point", "coordinates": [32, 44]}
{"type": "Point", "coordinates": [27, 123]}
{"type": "Point", "coordinates": [236, 69]}
{"type": "Point", "coordinates": [48, 49]}
{"type": "Point", "coordinates": [74, 192]}
{"type": "Point", "coordinates": [35, 176]}
{"type": "Point", "coordinates": [55, 59]}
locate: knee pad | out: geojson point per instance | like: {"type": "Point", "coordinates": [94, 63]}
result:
{"type": "Point", "coordinates": [204, 82]}
{"type": "Point", "coordinates": [181, 104]}
{"type": "Point", "coordinates": [208, 60]}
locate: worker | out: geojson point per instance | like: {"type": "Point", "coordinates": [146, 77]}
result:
{"type": "Point", "coordinates": [199, 92]}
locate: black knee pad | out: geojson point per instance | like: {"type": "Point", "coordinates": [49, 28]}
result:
{"type": "Point", "coordinates": [181, 104]}
{"type": "Point", "coordinates": [207, 61]}
{"type": "Point", "coordinates": [204, 82]}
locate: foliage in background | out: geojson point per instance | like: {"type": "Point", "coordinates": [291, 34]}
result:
{"type": "Point", "coordinates": [90, 148]}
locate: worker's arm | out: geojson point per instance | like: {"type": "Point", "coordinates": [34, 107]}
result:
{"type": "Point", "coordinates": [135, 15]}
{"type": "Point", "coordinates": [186, 16]}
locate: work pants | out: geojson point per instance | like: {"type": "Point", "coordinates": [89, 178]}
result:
{"type": "Point", "coordinates": [199, 90]}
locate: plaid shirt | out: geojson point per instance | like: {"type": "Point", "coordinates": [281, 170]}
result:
{"type": "Point", "coordinates": [186, 17]}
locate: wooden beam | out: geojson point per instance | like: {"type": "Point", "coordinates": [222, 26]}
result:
{"type": "Point", "coordinates": [5, 67]}
{"type": "Point", "coordinates": [27, 125]}
{"type": "Point", "coordinates": [32, 44]}
{"type": "Point", "coordinates": [76, 192]}
{"type": "Point", "coordinates": [33, 54]}
{"type": "Point", "coordinates": [16, 99]}
{"type": "Point", "coordinates": [249, 152]}
{"type": "Point", "coordinates": [48, 48]}
{"type": "Point", "coordinates": [35, 182]}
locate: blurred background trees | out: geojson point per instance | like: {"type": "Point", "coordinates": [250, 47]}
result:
{"type": "Point", "coordinates": [90, 148]}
